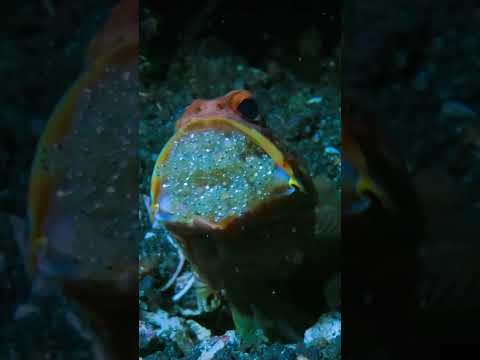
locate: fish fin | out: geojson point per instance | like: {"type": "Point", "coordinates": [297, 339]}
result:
{"type": "Point", "coordinates": [249, 332]}
{"type": "Point", "coordinates": [154, 216]}
{"type": "Point", "coordinates": [275, 326]}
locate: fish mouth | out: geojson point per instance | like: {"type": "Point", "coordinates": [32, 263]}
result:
{"type": "Point", "coordinates": [214, 170]}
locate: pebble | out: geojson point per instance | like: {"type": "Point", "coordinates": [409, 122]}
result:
{"type": "Point", "coordinates": [332, 150]}
{"type": "Point", "coordinates": [327, 329]}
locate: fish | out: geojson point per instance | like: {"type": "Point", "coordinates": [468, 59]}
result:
{"type": "Point", "coordinates": [81, 232]}
{"type": "Point", "coordinates": [248, 217]}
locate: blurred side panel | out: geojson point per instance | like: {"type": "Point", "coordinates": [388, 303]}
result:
{"type": "Point", "coordinates": [77, 231]}
{"type": "Point", "coordinates": [410, 130]}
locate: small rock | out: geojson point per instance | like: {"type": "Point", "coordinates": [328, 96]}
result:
{"type": "Point", "coordinates": [325, 331]}
{"type": "Point", "coordinates": [331, 150]}
{"type": "Point", "coordinates": [201, 332]}
{"type": "Point", "coordinates": [184, 333]}
{"type": "Point", "coordinates": [212, 346]}
{"type": "Point", "coordinates": [146, 335]}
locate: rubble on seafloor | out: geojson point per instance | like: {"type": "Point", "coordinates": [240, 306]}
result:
{"type": "Point", "coordinates": [162, 336]}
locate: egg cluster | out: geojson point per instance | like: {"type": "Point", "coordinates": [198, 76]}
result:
{"type": "Point", "coordinates": [216, 174]}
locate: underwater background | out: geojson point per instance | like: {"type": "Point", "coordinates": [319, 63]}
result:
{"type": "Point", "coordinates": [413, 66]}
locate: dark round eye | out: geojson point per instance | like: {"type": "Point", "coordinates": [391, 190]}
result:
{"type": "Point", "coordinates": [248, 108]}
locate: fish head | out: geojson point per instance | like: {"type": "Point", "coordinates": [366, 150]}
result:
{"type": "Point", "coordinates": [220, 164]}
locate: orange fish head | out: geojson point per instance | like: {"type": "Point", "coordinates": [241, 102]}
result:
{"type": "Point", "coordinates": [220, 146]}
{"type": "Point", "coordinates": [237, 105]}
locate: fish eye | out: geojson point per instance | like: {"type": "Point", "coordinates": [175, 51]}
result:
{"type": "Point", "coordinates": [248, 108]}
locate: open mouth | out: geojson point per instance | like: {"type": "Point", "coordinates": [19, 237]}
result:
{"type": "Point", "coordinates": [218, 173]}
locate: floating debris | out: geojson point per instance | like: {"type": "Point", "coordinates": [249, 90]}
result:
{"type": "Point", "coordinates": [315, 100]}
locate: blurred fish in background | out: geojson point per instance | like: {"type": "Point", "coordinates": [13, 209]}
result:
{"type": "Point", "coordinates": [382, 223]}
{"type": "Point", "coordinates": [248, 217]}
{"type": "Point", "coordinates": [80, 237]}
{"type": "Point", "coordinates": [409, 67]}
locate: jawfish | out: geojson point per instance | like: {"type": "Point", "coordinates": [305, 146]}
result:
{"type": "Point", "coordinates": [243, 210]}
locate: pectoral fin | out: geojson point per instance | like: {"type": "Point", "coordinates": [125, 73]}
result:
{"type": "Point", "coordinates": [249, 331]}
